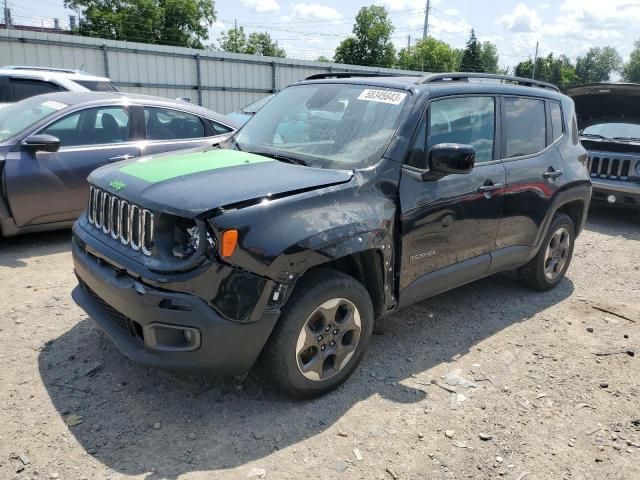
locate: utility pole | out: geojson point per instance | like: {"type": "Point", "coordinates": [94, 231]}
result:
{"type": "Point", "coordinates": [7, 16]}
{"type": "Point", "coordinates": [425, 28]}
{"type": "Point", "coordinates": [235, 35]}
{"type": "Point", "coordinates": [535, 60]}
{"type": "Point", "coordinates": [408, 42]}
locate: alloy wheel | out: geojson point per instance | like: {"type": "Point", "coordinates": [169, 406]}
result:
{"type": "Point", "coordinates": [557, 253]}
{"type": "Point", "coordinates": [328, 339]}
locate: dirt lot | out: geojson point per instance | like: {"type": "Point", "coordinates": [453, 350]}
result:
{"type": "Point", "coordinates": [548, 407]}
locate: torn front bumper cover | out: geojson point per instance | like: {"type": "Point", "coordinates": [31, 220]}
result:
{"type": "Point", "coordinates": [164, 329]}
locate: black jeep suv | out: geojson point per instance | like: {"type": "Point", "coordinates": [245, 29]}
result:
{"type": "Point", "coordinates": [342, 200]}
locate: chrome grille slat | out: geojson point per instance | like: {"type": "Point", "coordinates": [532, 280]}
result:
{"type": "Point", "coordinates": [611, 168]}
{"type": "Point", "coordinates": [106, 214]}
{"type": "Point", "coordinates": [134, 226]}
{"type": "Point", "coordinates": [130, 224]}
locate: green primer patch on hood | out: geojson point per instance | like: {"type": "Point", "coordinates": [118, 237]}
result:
{"type": "Point", "coordinates": [158, 169]}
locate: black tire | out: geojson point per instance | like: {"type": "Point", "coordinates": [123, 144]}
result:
{"type": "Point", "coordinates": [533, 273]}
{"type": "Point", "coordinates": [280, 358]}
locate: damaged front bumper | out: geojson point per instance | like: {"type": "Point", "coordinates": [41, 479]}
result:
{"type": "Point", "coordinates": [616, 193]}
{"type": "Point", "coordinates": [155, 325]}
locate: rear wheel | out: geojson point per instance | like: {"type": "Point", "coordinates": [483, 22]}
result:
{"type": "Point", "coordinates": [321, 336]}
{"type": "Point", "coordinates": [549, 266]}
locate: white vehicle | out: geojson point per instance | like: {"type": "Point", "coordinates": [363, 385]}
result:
{"type": "Point", "coordinates": [18, 83]}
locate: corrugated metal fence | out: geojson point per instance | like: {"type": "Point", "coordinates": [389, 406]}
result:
{"type": "Point", "coordinates": [221, 81]}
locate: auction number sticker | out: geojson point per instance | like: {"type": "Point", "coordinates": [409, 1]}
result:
{"type": "Point", "coordinates": [53, 104]}
{"type": "Point", "coordinates": [383, 96]}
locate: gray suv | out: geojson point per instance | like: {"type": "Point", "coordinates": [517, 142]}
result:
{"type": "Point", "coordinates": [50, 143]}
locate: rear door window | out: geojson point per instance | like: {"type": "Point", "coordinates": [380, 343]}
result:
{"type": "Point", "coordinates": [525, 126]}
{"type": "Point", "coordinates": [167, 124]}
{"type": "Point", "coordinates": [22, 88]}
{"type": "Point", "coordinates": [218, 128]}
{"type": "Point", "coordinates": [556, 120]}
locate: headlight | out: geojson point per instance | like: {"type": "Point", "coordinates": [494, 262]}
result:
{"type": "Point", "coordinates": [638, 168]}
{"type": "Point", "coordinates": [187, 238]}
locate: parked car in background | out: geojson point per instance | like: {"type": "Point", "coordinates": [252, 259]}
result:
{"type": "Point", "coordinates": [50, 143]}
{"type": "Point", "coordinates": [245, 113]}
{"type": "Point", "coordinates": [609, 126]}
{"type": "Point", "coordinates": [18, 83]}
{"type": "Point", "coordinates": [283, 252]}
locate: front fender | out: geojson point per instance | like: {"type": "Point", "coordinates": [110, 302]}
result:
{"type": "Point", "coordinates": [281, 239]}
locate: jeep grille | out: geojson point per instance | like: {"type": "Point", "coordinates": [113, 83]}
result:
{"type": "Point", "coordinates": [611, 168]}
{"type": "Point", "coordinates": [121, 220]}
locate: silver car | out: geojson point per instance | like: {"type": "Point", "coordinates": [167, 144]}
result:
{"type": "Point", "coordinates": [50, 143]}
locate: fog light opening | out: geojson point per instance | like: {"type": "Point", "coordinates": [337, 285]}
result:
{"type": "Point", "coordinates": [188, 336]}
{"type": "Point", "coordinates": [611, 199]}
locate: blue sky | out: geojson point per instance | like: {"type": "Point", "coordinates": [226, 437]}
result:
{"type": "Point", "coordinates": [307, 29]}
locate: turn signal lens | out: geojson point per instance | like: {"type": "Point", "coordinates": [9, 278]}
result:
{"type": "Point", "coordinates": [229, 242]}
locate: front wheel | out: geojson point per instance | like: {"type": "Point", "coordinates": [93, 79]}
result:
{"type": "Point", "coordinates": [321, 336]}
{"type": "Point", "coordinates": [548, 267]}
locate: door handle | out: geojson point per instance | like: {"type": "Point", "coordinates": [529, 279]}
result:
{"type": "Point", "coordinates": [552, 173]}
{"type": "Point", "coordinates": [490, 188]}
{"type": "Point", "coordinates": [119, 158]}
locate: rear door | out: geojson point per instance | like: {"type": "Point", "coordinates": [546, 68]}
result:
{"type": "Point", "coordinates": [45, 187]}
{"type": "Point", "coordinates": [167, 129]}
{"type": "Point", "coordinates": [533, 165]}
{"type": "Point", "coordinates": [450, 224]}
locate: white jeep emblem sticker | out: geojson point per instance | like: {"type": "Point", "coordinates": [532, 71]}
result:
{"type": "Point", "coordinates": [383, 96]}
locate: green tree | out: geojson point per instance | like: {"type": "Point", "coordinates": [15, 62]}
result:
{"type": "Point", "coordinates": [631, 71]}
{"type": "Point", "coordinates": [524, 69]}
{"type": "Point", "coordinates": [489, 57]}
{"type": "Point", "coordinates": [323, 59]}
{"type": "Point", "coordinates": [429, 55]}
{"type": "Point", "coordinates": [233, 40]}
{"type": "Point", "coordinates": [260, 43]}
{"type": "Point", "coordinates": [371, 43]}
{"type": "Point", "coordinates": [471, 60]}
{"type": "Point", "coordinates": [559, 71]}
{"type": "Point", "coordinates": [598, 64]}
{"type": "Point", "coordinates": [169, 22]}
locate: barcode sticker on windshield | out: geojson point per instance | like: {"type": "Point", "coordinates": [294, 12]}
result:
{"type": "Point", "coordinates": [384, 96]}
{"type": "Point", "coordinates": [53, 104]}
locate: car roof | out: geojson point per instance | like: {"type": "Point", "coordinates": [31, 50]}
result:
{"type": "Point", "coordinates": [447, 84]}
{"type": "Point", "coordinates": [75, 99]}
{"type": "Point", "coordinates": [51, 74]}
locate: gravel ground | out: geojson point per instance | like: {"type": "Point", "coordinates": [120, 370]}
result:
{"type": "Point", "coordinates": [540, 403]}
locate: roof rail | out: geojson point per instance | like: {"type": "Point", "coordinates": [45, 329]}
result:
{"type": "Point", "coordinates": [320, 76]}
{"type": "Point", "coordinates": [43, 69]}
{"type": "Point", "coordinates": [464, 77]}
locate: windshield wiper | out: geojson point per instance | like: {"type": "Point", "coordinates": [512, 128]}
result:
{"type": "Point", "coordinates": [280, 157]}
{"type": "Point", "coordinates": [236, 144]}
{"type": "Point", "coordinates": [596, 135]}
{"type": "Point", "coordinates": [627, 139]}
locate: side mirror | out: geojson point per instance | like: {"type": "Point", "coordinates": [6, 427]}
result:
{"type": "Point", "coordinates": [451, 158]}
{"type": "Point", "coordinates": [41, 143]}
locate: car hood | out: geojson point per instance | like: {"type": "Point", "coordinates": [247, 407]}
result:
{"type": "Point", "coordinates": [194, 182]}
{"type": "Point", "coordinates": [606, 102]}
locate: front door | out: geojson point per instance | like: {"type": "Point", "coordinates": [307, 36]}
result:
{"type": "Point", "coordinates": [449, 225]}
{"type": "Point", "coordinates": [45, 187]}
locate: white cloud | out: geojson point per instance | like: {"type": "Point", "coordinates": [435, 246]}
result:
{"type": "Point", "coordinates": [262, 6]}
{"type": "Point", "coordinates": [452, 11]}
{"type": "Point", "coordinates": [522, 19]}
{"type": "Point", "coordinates": [315, 11]}
{"type": "Point", "coordinates": [406, 5]}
